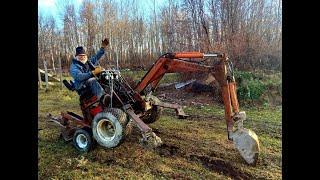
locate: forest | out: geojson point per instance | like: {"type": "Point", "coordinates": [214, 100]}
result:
{"type": "Point", "coordinates": [249, 31]}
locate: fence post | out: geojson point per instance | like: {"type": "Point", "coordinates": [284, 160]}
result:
{"type": "Point", "coordinates": [60, 73]}
{"type": "Point", "coordinates": [39, 79]}
{"type": "Point", "coordinates": [46, 74]}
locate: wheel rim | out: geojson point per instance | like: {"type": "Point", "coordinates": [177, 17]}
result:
{"type": "Point", "coordinates": [82, 141]}
{"type": "Point", "coordinates": [106, 129]}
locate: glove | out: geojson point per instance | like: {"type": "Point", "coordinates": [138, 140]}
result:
{"type": "Point", "coordinates": [97, 70]}
{"type": "Point", "coordinates": [105, 43]}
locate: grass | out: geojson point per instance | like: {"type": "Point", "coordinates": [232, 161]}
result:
{"type": "Point", "coordinates": [262, 88]}
{"type": "Point", "coordinates": [137, 75]}
{"type": "Point", "coordinates": [195, 148]}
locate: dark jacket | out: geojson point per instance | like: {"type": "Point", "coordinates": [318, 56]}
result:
{"type": "Point", "coordinates": [81, 72]}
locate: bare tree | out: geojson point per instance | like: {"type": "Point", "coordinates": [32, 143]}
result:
{"type": "Point", "coordinates": [248, 30]}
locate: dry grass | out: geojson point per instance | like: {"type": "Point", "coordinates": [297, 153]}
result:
{"type": "Point", "coordinates": [195, 148]}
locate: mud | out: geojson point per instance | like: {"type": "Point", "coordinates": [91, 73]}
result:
{"type": "Point", "coordinates": [168, 150]}
{"type": "Point", "coordinates": [106, 161]}
{"type": "Point", "coordinates": [184, 98]}
{"type": "Point", "coordinates": [155, 130]}
{"type": "Point", "coordinates": [211, 161]}
{"type": "Point", "coordinates": [194, 117]}
{"type": "Point", "coordinates": [220, 166]}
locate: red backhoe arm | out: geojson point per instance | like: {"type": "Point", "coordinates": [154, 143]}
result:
{"type": "Point", "coordinates": [171, 63]}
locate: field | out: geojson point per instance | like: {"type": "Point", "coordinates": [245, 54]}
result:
{"type": "Point", "coordinates": [194, 148]}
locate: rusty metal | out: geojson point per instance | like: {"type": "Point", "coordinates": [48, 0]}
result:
{"type": "Point", "coordinates": [137, 101]}
{"type": "Point", "coordinates": [67, 134]}
{"type": "Point", "coordinates": [78, 122]}
{"type": "Point", "coordinates": [57, 121]}
{"type": "Point", "coordinates": [227, 108]}
{"type": "Point", "coordinates": [89, 102]}
{"type": "Point", "coordinates": [192, 55]}
{"type": "Point", "coordinates": [67, 129]}
{"type": "Point", "coordinates": [141, 125]}
{"type": "Point", "coordinates": [233, 95]}
{"type": "Point", "coordinates": [167, 65]}
{"type": "Point", "coordinates": [179, 111]}
{"type": "Point", "coordinates": [171, 64]}
{"type": "Point", "coordinates": [188, 55]}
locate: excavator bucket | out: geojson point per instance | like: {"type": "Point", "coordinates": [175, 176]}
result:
{"type": "Point", "coordinates": [246, 142]}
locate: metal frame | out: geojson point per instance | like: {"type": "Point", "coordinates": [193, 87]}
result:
{"type": "Point", "coordinates": [168, 63]}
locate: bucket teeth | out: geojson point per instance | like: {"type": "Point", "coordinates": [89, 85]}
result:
{"type": "Point", "coordinates": [151, 140]}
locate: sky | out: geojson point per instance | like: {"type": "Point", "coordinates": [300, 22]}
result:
{"type": "Point", "coordinates": [48, 7]}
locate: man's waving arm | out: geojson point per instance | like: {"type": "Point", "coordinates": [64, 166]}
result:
{"type": "Point", "coordinates": [104, 45]}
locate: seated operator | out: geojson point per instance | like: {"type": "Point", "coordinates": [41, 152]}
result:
{"type": "Point", "coordinates": [85, 77]}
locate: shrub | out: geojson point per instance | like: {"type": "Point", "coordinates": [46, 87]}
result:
{"type": "Point", "coordinates": [249, 86]}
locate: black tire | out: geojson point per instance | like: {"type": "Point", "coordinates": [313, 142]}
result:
{"type": "Point", "coordinates": [109, 127]}
{"type": "Point", "coordinates": [152, 115]}
{"type": "Point", "coordinates": [123, 118]}
{"type": "Point", "coordinates": [82, 140]}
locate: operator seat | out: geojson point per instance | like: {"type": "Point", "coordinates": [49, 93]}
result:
{"type": "Point", "coordinates": [84, 93]}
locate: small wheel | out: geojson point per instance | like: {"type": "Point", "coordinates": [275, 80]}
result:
{"type": "Point", "coordinates": [82, 140]}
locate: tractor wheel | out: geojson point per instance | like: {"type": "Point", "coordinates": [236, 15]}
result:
{"type": "Point", "coordinates": [109, 127]}
{"type": "Point", "coordinates": [82, 140]}
{"type": "Point", "coordinates": [152, 115]}
{"type": "Point", "coordinates": [127, 122]}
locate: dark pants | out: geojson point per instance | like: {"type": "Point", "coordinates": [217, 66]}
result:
{"type": "Point", "coordinates": [94, 87]}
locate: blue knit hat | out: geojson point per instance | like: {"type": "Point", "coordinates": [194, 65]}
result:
{"type": "Point", "coordinates": [80, 50]}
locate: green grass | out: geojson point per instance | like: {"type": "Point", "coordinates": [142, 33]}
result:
{"type": "Point", "coordinates": [200, 137]}
{"type": "Point", "coordinates": [262, 88]}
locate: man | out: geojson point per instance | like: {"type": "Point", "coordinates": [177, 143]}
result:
{"type": "Point", "coordinates": [84, 77]}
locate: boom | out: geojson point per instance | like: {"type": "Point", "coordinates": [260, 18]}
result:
{"type": "Point", "coordinates": [245, 140]}
{"type": "Point", "coordinates": [172, 63]}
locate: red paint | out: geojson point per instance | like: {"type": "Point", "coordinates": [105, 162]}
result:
{"type": "Point", "coordinates": [95, 110]}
